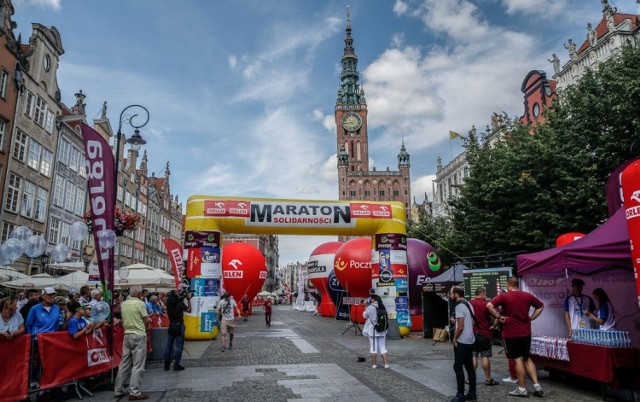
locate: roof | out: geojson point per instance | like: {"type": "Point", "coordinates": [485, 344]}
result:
{"type": "Point", "coordinates": [602, 30]}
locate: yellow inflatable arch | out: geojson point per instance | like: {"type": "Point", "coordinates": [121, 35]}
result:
{"type": "Point", "coordinates": [208, 217]}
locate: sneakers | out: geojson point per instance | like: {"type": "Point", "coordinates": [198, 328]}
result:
{"type": "Point", "coordinates": [224, 349]}
{"type": "Point", "coordinates": [386, 366]}
{"type": "Point", "coordinates": [537, 391]}
{"type": "Point", "coordinates": [517, 392]}
{"type": "Point", "coordinates": [177, 367]}
{"type": "Point", "coordinates": [510, 380]}
{"type": "Point", "coordinates": [374, 366]}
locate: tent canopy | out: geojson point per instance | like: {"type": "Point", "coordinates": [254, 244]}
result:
{"type": "Point", "coordinates": [606, 247]}
{"type": "Point", "coordinates": [145, 275]}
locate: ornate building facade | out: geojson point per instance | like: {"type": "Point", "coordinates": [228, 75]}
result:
{"type": "Point", "coordinates": [355, 181]}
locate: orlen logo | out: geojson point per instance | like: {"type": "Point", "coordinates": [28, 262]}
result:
{"type": "Point", "coordinates": [235, 263]}
{"type": "Point", "coordinates": [232, 274]}
{"type": "Point", "coordinates": [360, 264]}
{"type": "Point", "coordinates": [97, 356]}
{"type": "Point", "coordinates": [636, 196]}
{"type": "Point", "coordinates": [262, 275]}
{"type": "Point", "coordinates": [340, 265]}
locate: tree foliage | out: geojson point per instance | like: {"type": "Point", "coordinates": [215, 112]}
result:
{"type": "Point", "coordinates": [543, 181]}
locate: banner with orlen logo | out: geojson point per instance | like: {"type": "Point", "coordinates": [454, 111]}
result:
{"type": "Point", "coordinates": [224, 208]}
{"type": "Point", "coordinates": [630, 180]}
{"type": "Point", "coordinates": [175, 256]}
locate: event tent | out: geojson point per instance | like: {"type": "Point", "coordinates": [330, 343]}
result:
{"type": "Point", "coordinates": [606, 247]}
{"type": "Point", "coordinates": [145, 275]}
{"type": "Point", "coordinates": [39, 281]}
{"type": "Point", "coordinates": [76, 279]}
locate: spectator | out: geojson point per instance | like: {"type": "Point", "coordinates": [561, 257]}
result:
{"type": "Point", "coordinates": [45, 316]}
{"type": "Point", "coordinates": [175, 309]}
{"type": "Point", "coordinates": [117, 313]}
{"type": "Point", "coordinates": [88, 317]}
{"type": "Point", "coordinates": [22, 300]}
{"type": "Point", "coordinates": [12, 323]}
{"type": "Point", "coordinates": [145, 296]}
{"type": "Point", "coordinates": [32, 300]}
{"type": "Point", "coordinates": [135, 321]}
{"type": "Point", "coordinates": [377, 340]}
{"type": "Point", "coordinates": [78, 325]}
{"type": "Point", "coordinates": [61, 302]}
{"type": "Point", "coordinates": [74, 294]}
{"type": "Point", "coordinates": [577, 307]}
{"type": "Point", "coordinates": [463, 340]}
{"type": "Point", "coordinates": [153, 306]}
{"type": "Point", "coordinates": [85, 294]}
{"type": "Point", "coordinates": [483, 326]}
{"type": "Point", "coordinates": [96, 297]}
{"type": "Point", "coordinates": [162, 302]}
{"type": "Point", "coordinates": [516, 330]}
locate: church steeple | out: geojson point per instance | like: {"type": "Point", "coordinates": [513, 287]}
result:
{"type": "Point", "coordinates": [350, 91]}
{"type": "Point", "coordinates": [403, 157]}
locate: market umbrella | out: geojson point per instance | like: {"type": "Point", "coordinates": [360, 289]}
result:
{"type": "Point", "coordinates": [76, 279]}
{"type": "Point", "coordinates": [39, 281]}
{"type": "Point", "coordinates": [70, 266]}
{"type": "Point", "coordinates": [9, 274]}
{"type": "Point", "coordinates": [145, 275]}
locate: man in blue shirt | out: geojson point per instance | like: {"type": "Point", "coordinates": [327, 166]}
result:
{"type": "Point", "coordinates": [44, 317]}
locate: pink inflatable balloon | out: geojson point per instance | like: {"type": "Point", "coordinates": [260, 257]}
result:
{"type": "Point", "coordinates": [244, 270]}
{"type": "Point", "coordinates": [318, 268]}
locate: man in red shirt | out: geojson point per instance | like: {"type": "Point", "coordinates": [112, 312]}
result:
{"type": "Point", "coordinates": [516, 330]}
{"type": "Point", "coordinates": [482, 325]}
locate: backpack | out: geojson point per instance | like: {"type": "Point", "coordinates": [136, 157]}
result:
{"type": "Point", "coordinates": [382, 319]}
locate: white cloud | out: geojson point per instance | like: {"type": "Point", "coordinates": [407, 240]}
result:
{"type": "Point", "coordinates": [400, 7]}
{"type": "Point", "coordinates": [422, 185]}
{"type": "Point", "coordinates": [533, 7]}
{"type": "Point", "coordinates": [232, 60]}
{"type": "Point", "coordinates": [53, 4]}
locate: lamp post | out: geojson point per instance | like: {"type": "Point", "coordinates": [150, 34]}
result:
{"type": "Point", "coordinates": [86, 259]}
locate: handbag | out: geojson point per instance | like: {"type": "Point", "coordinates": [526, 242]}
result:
{"type": "Point", "coordinates": [482, 341]}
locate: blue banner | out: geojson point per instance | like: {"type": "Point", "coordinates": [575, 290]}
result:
{"type": "Point", "coordinates": [208, 321]}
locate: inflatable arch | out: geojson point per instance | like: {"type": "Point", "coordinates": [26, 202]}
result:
{"type": "Point", "coordinates": [208, 217]}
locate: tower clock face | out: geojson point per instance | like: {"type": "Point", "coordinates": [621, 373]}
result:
{"type": "Point", "coordinates": [351, 121]}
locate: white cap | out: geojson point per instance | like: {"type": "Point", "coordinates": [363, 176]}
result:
{"type": "Point", "coordinates": [48, 291]}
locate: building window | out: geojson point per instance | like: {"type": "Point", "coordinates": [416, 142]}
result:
{"type": "Point", "coordinates": [20, 148]}
{"type": "Point", "coordinates": [13, 193]}
{"type": "Point", "coordinates": [3, 132]}
{"type": "Point", "coordinates": [367, 193]}
{"type": "Point", "coordinates": [33, 159]}
{"type": "Point", "coordinates": [74, 161]}
{"type": "Point", "coordinates": [396, 193]}
{"type": "Point", "coordinates": [29, 104]}
{"type": "Point", "coordinates": [352, 193]}
{"type": "Point", "coordinates": [64, 233]}
{"type": "Point", "coordinates": [4, 83]}
{"type": "Point", "coordinates": [48, 124]}
{"type": "Point", "coordinates": [58, 191]}
{"type": "Point", "coordinates": [381, 193]}
{"type": "Point", "coordinates": [70, 198]}
{"type": "Point", "coordinates": [7, 228]}
{"type": "Point", "coordinates": [41, 204]}
{"type": "Point", "coordinates": [63, 152]}
{"type": "Point", "coordinates": [45, 164]}
{"type": "Point", "coordinates": [80, 197]}
{"type": "Point", "coordinates": [54, 230]}
{"type": "Point", "coordinates": [28, 198]}
{"type": "Point", "coordinates": [40, 112]}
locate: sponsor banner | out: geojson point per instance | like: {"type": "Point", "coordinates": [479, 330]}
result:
{"type": "Point", "coordinates": [202, 287]}
{"type": "Point", "coordinates": [402, 285]}
{"type": "Point", "coordinates": [262, 275]}
{"type": "Point", "coordinates": [386, 278]}
{"type": "Point", "coordinates": [224, 208]}
{"type": "Point", "coordinates": [194, 262]}
{"type": "Point", "coordinates": [197, 238]}
{"type": "Point", "coordinates": [300, 214]}
{"type": "Point", "coordinates": [402, 304]}
{"type": "Point", "coordinates": [210, 254]}
{"type": "Point", "coordinates": [404, 319]}
{"type": "Point", "coordinates": [94, 273]}
{"type": "Point", "coordinates": [175, 252]}
{"type": "Point", "coordinates": [208, 321]}
{"type": "Point", "coordinates": [400, 271]}
{"type": "Point", "coordinates": [233, 274]}
{"type": "Point", "coordinates": [354, 300]}
{"type": "Point", "coordinates": [366, 210]}
{"type": "Point", "coordinates": [391, 241]}
{"type": "Point", "coordinates": [398, 257]}
{"type": "Point", "coordinates": [209, 270]}
{"type": "Point", "coordinates": [82, 357]}
{"type": "Point", "coordinates": [314, 270]}
{"type": "Point", "coordinates": [14, 367]}
{"type": "Point", "coordinates": [630, 180]}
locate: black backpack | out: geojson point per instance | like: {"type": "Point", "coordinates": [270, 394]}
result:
{"type": "Point", "coordinates": [382, 319]}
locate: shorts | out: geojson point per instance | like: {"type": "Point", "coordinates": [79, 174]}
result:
{"type": "Point", "coordinates": [517, 347]}
{"type": "Point", "coordinates": [226, 327]}
{"type": "Point", "coordinates": [485, 353]}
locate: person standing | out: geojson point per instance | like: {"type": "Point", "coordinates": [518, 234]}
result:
{"type": "Point", "coordinates": [377, 340]}
{"type": "Point", "coordinates": [135, 321]}
{"type": "Point", "coordinates": [577, 307]}
{"type": "Point", "coordinates": [245, 306]}
{"type": "Point", "coordinates": [604, 316]}
{"type": "Point", "coordinates": [267, 311]}
{"type": "Point", "coordinates": [175, 309]}
{"type": "Point", "coordinates": [483, 326]}
{"type": "Point", "coordinates": [516, 330]}
{"type": "Point", "coordinates": [463, 340]}
{"type": "Point", "coordinates": [226, 309]}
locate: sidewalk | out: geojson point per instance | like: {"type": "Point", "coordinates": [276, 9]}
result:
{"type": "Point", "coordinates": [303, 357]}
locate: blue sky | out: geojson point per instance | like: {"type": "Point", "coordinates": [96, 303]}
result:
{"type": "Point", "coordinates": [241, 93]}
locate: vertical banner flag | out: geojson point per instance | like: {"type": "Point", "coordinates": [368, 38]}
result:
{"type": "Point", "coordinates": [630, 180]}
{"type": "Point", "coordinates": [175, 256]}
{"type": "Point", "coordinates": [100, 167]}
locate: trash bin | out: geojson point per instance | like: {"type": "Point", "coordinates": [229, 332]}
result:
{"type": "Point", "coordinates": [158, 343]}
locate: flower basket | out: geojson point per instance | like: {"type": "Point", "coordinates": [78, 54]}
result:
{"type": "Point", "coordinates": [122, 222]}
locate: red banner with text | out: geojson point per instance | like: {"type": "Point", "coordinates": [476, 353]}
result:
{"type": "Point", "coordinates": [14, 368]}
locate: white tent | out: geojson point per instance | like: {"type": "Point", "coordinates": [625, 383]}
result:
{"type": "Point", "coordinates": [39, 281]}
{"type": "Point", "coordinates": [69, 266]}
{"type": "Point", "coordinates": [76, 279]}
{"type": "Point", "coordinates": [144, 275]}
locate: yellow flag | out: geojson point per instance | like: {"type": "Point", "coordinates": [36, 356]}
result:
{"type": "Point", "coordinates": [453, 135]}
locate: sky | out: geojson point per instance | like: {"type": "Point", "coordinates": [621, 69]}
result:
{"type": "Point", "coordinates": [241, 94]}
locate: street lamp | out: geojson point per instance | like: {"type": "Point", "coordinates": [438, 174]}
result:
{"type": "Point", "coordinates": [86, 259]}
{"type": "Point", "coordinates": [136, 140]}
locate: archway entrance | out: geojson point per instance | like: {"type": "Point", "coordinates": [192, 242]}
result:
{"type": "Point", "coordinates": [208, 217]}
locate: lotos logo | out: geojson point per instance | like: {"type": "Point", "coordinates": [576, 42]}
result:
{"type": "Point", "coordinates": [97, 356]}
{"type": "Point", "coordinates": [340, 265]}
{"type": "Point", "coordinates": [434, 261]}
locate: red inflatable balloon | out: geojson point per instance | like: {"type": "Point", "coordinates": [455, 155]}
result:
{"type": "Point", "coordinates": [568, 238]}
{"type": "Point", "coordinates": [353, 266]}
{"type": "Point", "coordinates": [318, 268]}
{"type": "Point", "coordinates": [244, 270]}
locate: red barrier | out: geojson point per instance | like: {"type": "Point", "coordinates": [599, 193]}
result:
{"type": "Point", "coordinates": [159, 321]}
{"type": "Point", "coordinates": [65, 359]}
{"type": "Point", "coordinates": [14, 371]}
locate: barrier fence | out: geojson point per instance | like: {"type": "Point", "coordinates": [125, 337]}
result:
{"type": "Point", "coordinates": [63, 360]}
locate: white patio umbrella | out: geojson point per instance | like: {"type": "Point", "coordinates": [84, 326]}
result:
{"type": "Point", "coordinates": [69, 266]}
{"type": "Point", "coordinates": [39, 281]}
{"type": "Point", "coordinates": [76, 279]}
{"type": "Point", "coordinates": [9, 274]}
{"type": "Point", "coordinates": [145, 275]}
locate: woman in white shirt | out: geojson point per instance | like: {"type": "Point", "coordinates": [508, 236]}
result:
{"type": "Point", "coordinates": [376, 339]}
{"type": "Point", "coordinates": [604, 316]}
{"type": "Point", "coordinates": [12, 323]}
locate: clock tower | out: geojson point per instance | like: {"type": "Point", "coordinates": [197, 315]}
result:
{"type": "Point", "coordinates": [355, 181]}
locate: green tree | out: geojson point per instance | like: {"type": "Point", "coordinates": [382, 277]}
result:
{"type": "Point", "coordinates": [544, 181]}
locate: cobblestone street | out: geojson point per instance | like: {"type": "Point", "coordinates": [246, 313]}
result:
{"type": "Point", "coordinates": [303, 357]}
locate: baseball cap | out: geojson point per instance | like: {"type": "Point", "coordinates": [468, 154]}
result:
{"type": "Point", "coordinates": [48, 291]}
{"type": "Point", "coordinates": [87, 305]}
{"type": "Point", "coordinates": [577, 282]}
{"type": "Point", "coordinates": [60, 300]}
